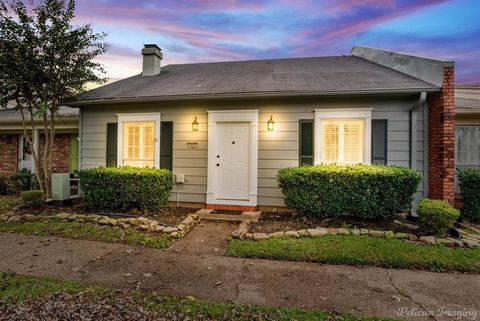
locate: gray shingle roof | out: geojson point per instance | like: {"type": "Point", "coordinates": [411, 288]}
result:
{"type": "Point", "coordinates": [12, 115]}
{"type": "Point", "coordinates": [264, 77]}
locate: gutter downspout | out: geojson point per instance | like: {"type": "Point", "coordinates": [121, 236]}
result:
{"type": "Point", "coordinates": [413, 138]}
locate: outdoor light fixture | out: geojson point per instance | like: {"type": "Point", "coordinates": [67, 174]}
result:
{"type": "Point", "coordinates": [270, 124]}
{"type": "Point", "coordinates": [195, 125]}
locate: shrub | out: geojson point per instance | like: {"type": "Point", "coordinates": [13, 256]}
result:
{"type": "Point", "coordinates": [364, 191]}
{"type": "Point", "coordinates": [24, 180]}
{"type": "Point", "coordinates": [435, 216]}
{"type": "Point", "coordinates": [5, 185]}
{"type": "Point", "coordinates": [33, 198]}
{"type": "Point", "coordinates": [125, 187]}
{"type": "Point", "coordinates": [470, 187]}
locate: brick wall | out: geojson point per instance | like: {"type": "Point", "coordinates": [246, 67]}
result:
{"type": "Point", "coordinates": [61, 152]}
{"type": "Point", "coordinates": [8, 154]}
{"type": "Point", "coordinates": [441, 140]}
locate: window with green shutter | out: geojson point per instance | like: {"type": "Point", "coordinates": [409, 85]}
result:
{"type": "Point", "coordinates": [112, 129]}
{"type": "Point", "coordinates": [306, 142]}
{"type": "Point", "coordinates": [166, 145]}
{"type": "Point", "coordinates": [73, 153]}
{"type": "Point", "coordinates": [379, 141]}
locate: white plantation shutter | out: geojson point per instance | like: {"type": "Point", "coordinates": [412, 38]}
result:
{"type": "Point", "coordinates": [330, 141]}
{"type": "Point", "coordinates": [342, 141]}
{"type": "Point", "coordinates": [139, 144]}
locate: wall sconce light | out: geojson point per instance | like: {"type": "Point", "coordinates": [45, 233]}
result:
{"type": "Point", "coordinates": [195, 125]}
{"type": "Point", "coordinates": [270, 124]}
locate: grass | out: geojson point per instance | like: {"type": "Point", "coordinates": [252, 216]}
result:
{"type": "Point", "coordinates": [7, 202]}
{"type": "Point", "coordinates": [15, 288]}
{"type": "Point", "coordinates": [361, 250]}
{"type": "Point", "coordinates": [87, 231]}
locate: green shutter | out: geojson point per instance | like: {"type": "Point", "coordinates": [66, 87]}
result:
{"type": "Point", "coordinates": [379, 141]}
{"type": "Point", "coordinates": [112, 129]}
{"type": "Point", "coordinates": [306, 142]}
{"type": "Point", "coordinates": [73, 153]}
{"type": "Point", "coordinates": [166, 145]}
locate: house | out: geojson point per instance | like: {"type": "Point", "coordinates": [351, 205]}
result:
{"type": "Point", "coordinates": [467, 126]}
{"type": "Point", "coordinates": [226, 128]}
{"type": "Point", "coordinates": [16, 154]}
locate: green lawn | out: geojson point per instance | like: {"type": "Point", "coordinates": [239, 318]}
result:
{"type": "Point", "coordinates": [361, 250]}
{"type": "Point", "coordinates": [15, 288]}
{"type": "Point", "coordinates": [87, 231]}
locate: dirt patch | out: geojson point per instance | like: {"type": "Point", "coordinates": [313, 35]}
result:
{"type": "Point", "coordinates": [206, 238]}
{"type": "Point", "coordinates": [287, 221]}
{"type": "Point", "coordinates": [169, 215]}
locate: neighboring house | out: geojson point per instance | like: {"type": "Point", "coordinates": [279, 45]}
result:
{"type": "Point", "coordinates": [16, 154]}
{"type": "Point", "coordinates": [467, 127]}
{"type": "Point", "coordinates": [228, 127]}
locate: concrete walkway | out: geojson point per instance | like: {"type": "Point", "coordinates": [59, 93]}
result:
{"type": "Point", "coordinates": [368, 291]}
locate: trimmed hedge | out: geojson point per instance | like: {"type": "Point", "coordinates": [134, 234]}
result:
{"type": "Point", "coordinates": [470, 187]}
{"type": "Point", "coordinates": [436, 216]}
{"type": "Point", "coordinates": [365, 191]}
{"type": "Point", "coordinates": [125, 187]}
{"type": "Point", "coordinates": [33, 198]}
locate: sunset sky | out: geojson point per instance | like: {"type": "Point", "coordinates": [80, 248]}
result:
{"type": "Point", "coordinates": [220, 30]}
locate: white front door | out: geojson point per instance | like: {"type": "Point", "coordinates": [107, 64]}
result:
{"type": "Point", "coordinates": [232, 161]}
{"type": "Point", "coordinates": [25, 154]}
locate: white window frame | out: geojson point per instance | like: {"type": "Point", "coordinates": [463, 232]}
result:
{"type": "Point", "coordinates": [138, 117]}
{"type": "Point", "coordinates": [353, 113]}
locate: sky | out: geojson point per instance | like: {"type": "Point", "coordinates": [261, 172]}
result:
{"type": "Point", "coordinates": [190, 31]}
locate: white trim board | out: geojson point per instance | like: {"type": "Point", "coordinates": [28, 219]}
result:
{"type": "Point", "coordinates": [231, 116]}
{"type": "Point", "coordinates": [156, 117]}
{"type": "Point", "coordinates": [343, 113]}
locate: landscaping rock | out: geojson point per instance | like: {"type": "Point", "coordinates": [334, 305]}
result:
{"type": "Point", "coordinates": [123, 225]}
{"type": "Point", "coordinates": [355, 232]}
{"type": "Point", "coordinates": [174, 234]}
{"type": "Point", "coordinates": [195, 217]}
{"type": "Point", "coordinates": [332, 230]}
{"type": "Point", "coordinates": [317, 232]}
{"type": "Point", "coordinates": [73, 217]}
{"type": "Point", "coordinates": [470, 243]}
{"type": "Point", "coordinates": [144, 227]}
{"type": "Point", "coordinates": [389, 234]}
{"type": "Point", "coordinates": [260, 236]}
{"type": "Point", "coordinates": [456, 242]}
{"type": "Point", "coordinates": [412, 237]}
{"type": "Point", "coordinates": [188, 220]}
{"type": "Point", "coordinates": [363, 231]}
{"type": "Point", "coordinates": [375, 233]}
{"type": "Point", "coordinates": [343, 231]}
{"type": "Point", "coordinates": [445, 241]}
{"type": "Point", "coordinates": [239, 233]}
{"type": "Point", "coordinates": [302, 232]}
{"type": "Point", "coordinates": [411, 226]}
{"type": "Point", "coordinates": [474, 236]}
{"type": "Point", "coordinates": [159, 228]}
{"type": "Point", "coordinates": [401, 235]}
{"type": "Point", "coordinates": [292, 234]}
{"type": "Point", "coordinates": [181, 227]}
{"type": "Point", "coordinates": [4, 217]}
{"type": "Point", "coordinates": [249, 236]}
{"type": "Point", "coordinates": [169, 229]}
{"type": "Point", "coordinates": [15, 218]}
{"type": "Point", "coordinates": [30, 217]}
{"type": "Point", "coordinates": [277, 234]}
{"type": "Point", "coordinates": [108, 221]}
{"type": "Point", "coordinates": [427, 239]}
{"type": "Point", "coordinates": [62, 216]}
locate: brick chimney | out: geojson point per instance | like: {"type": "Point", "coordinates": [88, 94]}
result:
{"type": "Point", "coordinates": [152, 58]}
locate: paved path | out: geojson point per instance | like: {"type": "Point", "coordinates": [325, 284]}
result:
{"type": "Point", "coordinates": [369, 291]}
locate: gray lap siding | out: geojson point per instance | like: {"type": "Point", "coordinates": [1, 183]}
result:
{"type": "Point", "coordinates": [277, 149]}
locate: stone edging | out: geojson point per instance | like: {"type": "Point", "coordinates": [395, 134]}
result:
{"type": "Point", "coordinates": [469, 241]}
{"type": "Point", "coordinates": [140, 223]}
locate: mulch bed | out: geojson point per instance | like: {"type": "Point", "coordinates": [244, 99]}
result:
{"type": "Point", "coordinates": [270, 222]}
{"type": "Point", "coordinates": [169, 216]}
{"type": "Point", "coordinates": [76, 307]}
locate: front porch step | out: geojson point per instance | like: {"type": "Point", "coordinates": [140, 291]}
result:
{"type": "Point", "coordinates": [206, 214]}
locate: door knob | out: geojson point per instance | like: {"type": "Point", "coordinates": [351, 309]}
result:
{"type": "Point", "coordinates": [218, 156]}
{"type": "Point", "coordinates": [233, 142]}
{"type": "Point", "coordinates": [218, 164]}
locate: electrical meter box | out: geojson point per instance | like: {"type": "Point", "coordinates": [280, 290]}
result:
{"type": "Point", "coordinates": [61, 186]}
